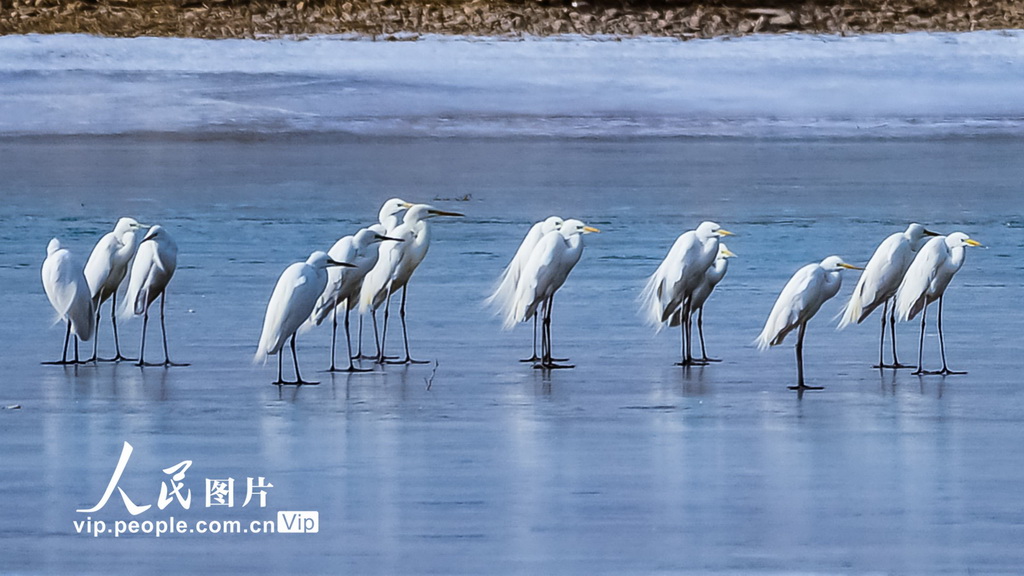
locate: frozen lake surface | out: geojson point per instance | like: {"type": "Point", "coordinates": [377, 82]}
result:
{"type": "Point", "coordinates": [626, 464]}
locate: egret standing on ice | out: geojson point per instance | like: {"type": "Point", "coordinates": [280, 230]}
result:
{"type": "Point", "coordinates": [387, 221]}
{"type": "Point", "coordinates": [68, 291]}
{"type": "Point", "coordinates": [549, 265]}
{"type": "Point", "coordinates": [712, 277]}
{"type": "Point", "coordinates": [290, 305]}
{"type": "Point", "coordinates": [343, 283]}
{"type": "Point", "coordinates": [398, 260]}
{"type": "Point", "coordinates": [877, 285]}
{"type": "Point", "coordinates": [106, 269]}
{"type": "Point", "coordinates": [503, 297]}
{"type": "Point", "coordinates": [926, 281]}
{"type": "Point", "coordinates": [154, 265]}
{"type": "Point", "coordinates": [670, 288]}
{"type": "Point", "coordinates": [803, 295]}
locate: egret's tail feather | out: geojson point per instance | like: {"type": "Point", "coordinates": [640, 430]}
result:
{"type": "Point", "coordinates": [907, 307]}
{"type": "Point", "coordinates": [853, 313]}
{"type": "Point", "coordinates": [651, 308]}
{"type": "Point", "coordinates": [504, 293]}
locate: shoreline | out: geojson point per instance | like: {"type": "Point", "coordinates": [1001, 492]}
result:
{"type": "Point", "coordinates": [500, 19]}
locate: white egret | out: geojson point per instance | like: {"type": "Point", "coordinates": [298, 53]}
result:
{"type": "Point", "coordinates": [926, 281]}
{"type": "Point", "coordinates": [545, 271]}
{"type": "Point", "coordinates": [291, 304]}
{"type": "Point", "coordinates": [712, 277]}
{"type": "Point", "coordinates": [878, 284]}
{"type": "Point", "coordinates": [106, 269]}
{"type": "Point", "coordinates": [155, 261]}
{"type": "Point", "coordinates": [502, 300]}
{"type": "Point", "coordinates": [68, 291]}
{"type": "Point", "coordinates": [387, 220]}
{"type": "Point", "coordinates": [398, 260]}
{"type": "Point", "coordinates": [682, 271]}
{"type": "Point", "coordinates": [343, 283]}
{"type": "Point", "coordinates": [801, 298]}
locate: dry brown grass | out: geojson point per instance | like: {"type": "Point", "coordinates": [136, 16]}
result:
{"type": "Point", "coordinates": [389, 19]}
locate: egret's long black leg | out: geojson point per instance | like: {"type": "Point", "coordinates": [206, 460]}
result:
{"type": "Point", "coordinates": [118, 357]}
{"type": "Point", "coordinates": [881, 339]}
{"type": "Point", "coordinates": [295, 358]}
{"type": "Point", "coordinates": [800, 363]}
{"type": "Point", "coordinates": [359, 344]}
{"type": "Point", "coordinates": [548, 362]}
{"type": "Point", "coordinates": [384, 332]}
{"type": "Point", "coordinates": [682, 342]}
{"type": "Point", "coordinates": [67, 337]}
{"type": "Point", "coordinates": [545, 350]}
{"type": "Point", "coordinates": [348, 342]}
{"type": "Point", "coordinates": [920, 345]}
{"type": "Point", "coordinates": [280, 362]}
{"type": "Point", "coordinates": [545, 337]}
{"type": "Point", "coordinates": [688, 319]}
{"type": "Point", "coordinates": [700, 333]}
{"type": "Point", "coordinates": [96, 338]}
{"type": "Point", "coordinates": [687, 327]}
{"type": "Point", "coordinates": [163, 330]}
{"type": "Point", "coordinates": [113, 323]}
{"type": "Point", "coordinates": [942, 347]}
{"type": "Point", "coordinates": [533, 358]}
{"type": "Point", "coordinates": [892, 337]}
{"type": "Point", "coordinates": [142, 348]}
{"type": "Point", "coordinates": [64, 356]}
{"type": "Point", "coordinates": [405, 333]}
{"type": "Point", "coordinates": [689, 333]}
{"type": "Point", "coordinates": [334, 339]}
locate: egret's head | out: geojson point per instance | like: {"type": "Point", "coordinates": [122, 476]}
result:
{"type": "Point", "coordinates": [127, 225]}
{"type": "Point", "coordinates": [959, 239]}
{"type": "Point", "coordinates": [154, 232]}
{"type": "Point", "coordinates": [916, 234]}
{"type": "Point", "coordinates": [424, 211]}
{"type": "Point", "coordinates": [572, 226]}
{"type": "Point", "coordinates": [836, 264]}
{"type": "Point", "coordinates": [708, 229]}
{"type": "Point", "coordinates": [372, 234]}
{"type": "Point", "coordinates": [321, 259]}
{"type": "Point", "coordinates": [551, 224]}
{"type": "Point", "coordinates": [52, 247]}
{"type": "Point", "coordinates": [392, 207]}
{"type": "Point", "coordinates": [724, 252]}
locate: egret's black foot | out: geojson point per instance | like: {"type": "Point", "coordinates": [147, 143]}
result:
{"type": "Point", "coordinates": [802, 387]}
{"type": "Point", "coordinates": [707, 360]}
{"type": "Point", "coordinates": [691, 362]}
{"type": "Point", "coordinates": [117, 358]}
{"type": "Point", "coordinates": [536, 359]}
{"type": "Point", "coordinates": [943, 372]}
{"type": "Point", "coordinates": [409, 360]}
{"type": "Point", "coordinates": [551, 365]}
{"type": "Point", "coordinates": [375, 357]}
{"type": "Point", "coordinates": [350, 369]}
{"type": "Point", "coordinates": [295, 383]}
{"type": "Point", "coordinates": [65, 362]}
{"type": "Point", "coordinates": [164, 364]}
{"type": "Point", "coordinates": [896, 366]}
